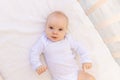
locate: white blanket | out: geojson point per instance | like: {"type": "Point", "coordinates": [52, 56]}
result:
{"type": "Point", "coordinates": [22, 21]}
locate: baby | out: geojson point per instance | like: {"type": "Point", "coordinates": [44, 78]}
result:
{"type": "Point", "coordinates": [58, 46]}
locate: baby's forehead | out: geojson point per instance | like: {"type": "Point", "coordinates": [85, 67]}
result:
{"type": "Point", "coordinates": [58, 15]}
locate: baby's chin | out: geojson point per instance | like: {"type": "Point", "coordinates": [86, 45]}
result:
{"type": "Point", "coordinates": [55, 39]}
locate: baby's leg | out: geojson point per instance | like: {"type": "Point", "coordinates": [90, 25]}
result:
{"type": "Point", "coordinates": [1, 77]}
{"type": "Point", "coordinates": [85, 76]}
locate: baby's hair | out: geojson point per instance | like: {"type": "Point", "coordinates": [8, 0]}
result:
{"type": "Point", "coordinates": [58, 13]}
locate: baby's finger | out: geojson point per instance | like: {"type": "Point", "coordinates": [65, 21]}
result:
{"type": "Point", "coordinates": [43, 69]}
{"type": "Point", "coordinates": [83, 68]}
{"type": "Point", "coordinates": [88, 66]}
{"type": "Point", "coordinates": [40, 71]}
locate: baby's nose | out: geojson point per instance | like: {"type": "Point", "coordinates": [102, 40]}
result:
{"type": "Point", "coordinates": [55, 31]}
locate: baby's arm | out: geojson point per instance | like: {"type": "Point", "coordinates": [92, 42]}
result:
{"type": "Point", "coordinates": [35, 53]}
{"type": "Point", "coordinates": [84, 58]}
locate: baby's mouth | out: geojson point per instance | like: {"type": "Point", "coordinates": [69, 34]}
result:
{"type": "Point", "coordinates": [54, 37]}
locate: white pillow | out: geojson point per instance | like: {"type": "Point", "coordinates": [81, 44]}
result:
{"type": "Point", "coordinates": [22, 21]}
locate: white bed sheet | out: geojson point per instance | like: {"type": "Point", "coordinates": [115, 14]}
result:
{"type": "Point", "coordinates": [21, 23]}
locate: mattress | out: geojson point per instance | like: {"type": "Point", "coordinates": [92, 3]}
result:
{"type": "Point", "coordinates": [23, 21]}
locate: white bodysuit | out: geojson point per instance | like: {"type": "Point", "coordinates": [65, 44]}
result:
{"type": "Point", "coordinates": [59, 57]}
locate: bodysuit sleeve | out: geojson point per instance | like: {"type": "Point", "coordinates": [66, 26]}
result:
{"type": "Point", "coordinates": [80, 49]}
{"type": "Point", "coordinates": [35, 52]}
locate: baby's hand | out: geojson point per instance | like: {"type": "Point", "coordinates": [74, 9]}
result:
{"type": "Point", "coordinates": [41, 69]}
{"type": "Point", "coordinates": [86, 66]}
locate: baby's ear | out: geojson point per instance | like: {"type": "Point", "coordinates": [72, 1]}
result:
{"type": "Point", "coordinates": [68, 31]}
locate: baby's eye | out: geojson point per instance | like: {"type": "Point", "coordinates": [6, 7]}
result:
{"type": "Point", "coordinates": [51, 27]}
{"type": "Point", "coordinates": [60, 29]}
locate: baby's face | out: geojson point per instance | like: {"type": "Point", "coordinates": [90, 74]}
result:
{"type": "Point", "coordinates": [56, 28]}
